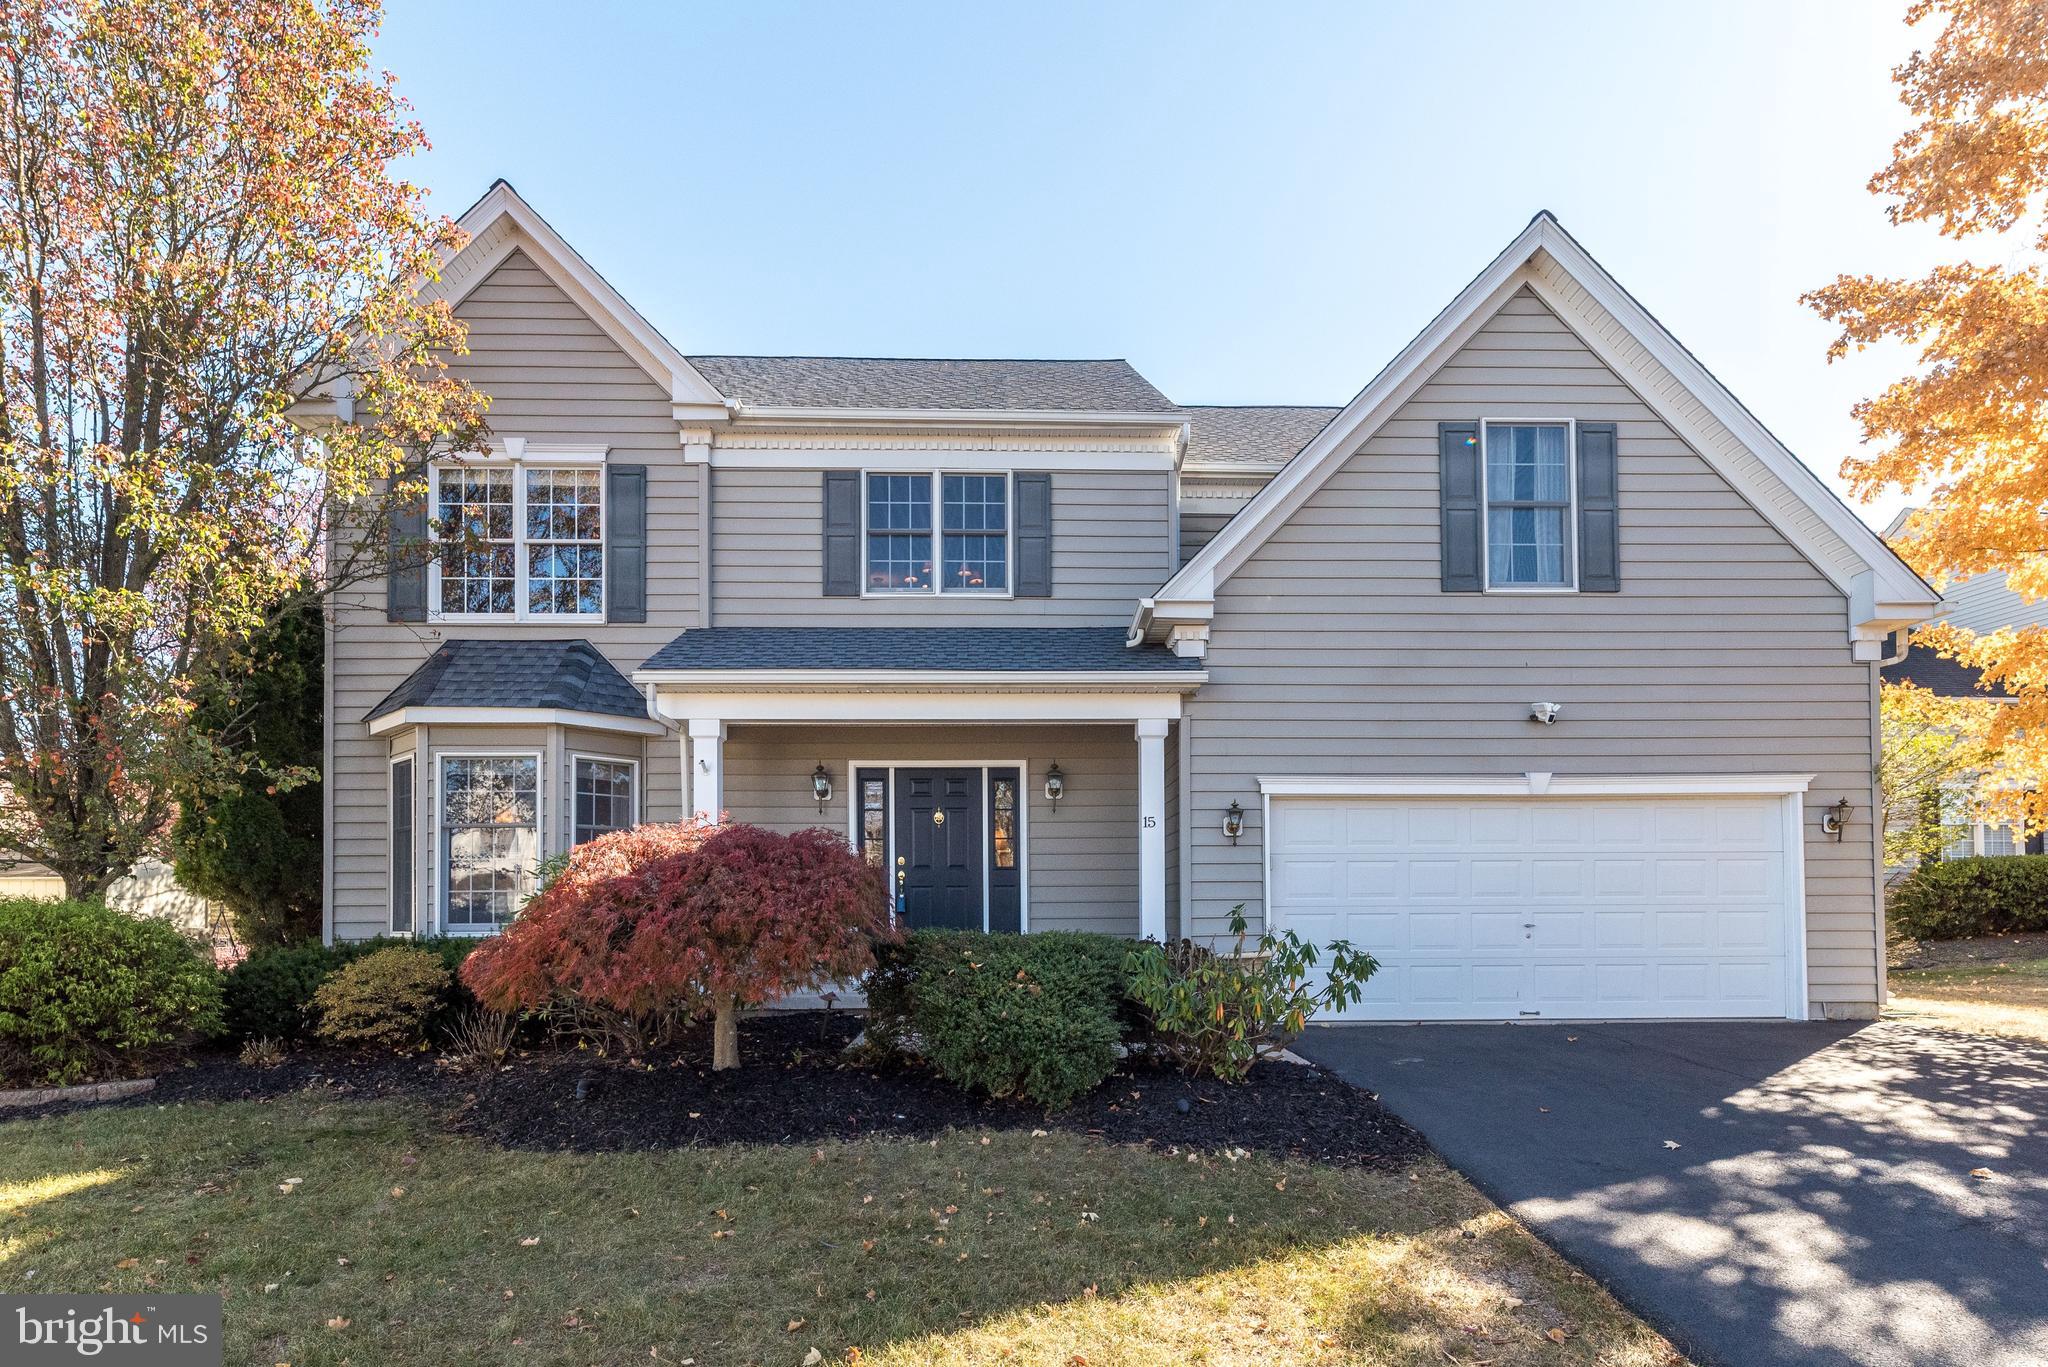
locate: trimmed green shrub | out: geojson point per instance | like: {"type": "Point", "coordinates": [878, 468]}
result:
{"type": "Point", "coordinates": [383, 999]}
{"type": "Point", "coordinates": [1952, 899]}
{"type": "Point", "coordinates": [1036, 1016]}
{"type": "Point", "coordinates": [87, 992]}
{"type": "Point", "coordinates": [269, 995]}
{"type": "Point", "coordinates": [1215, 1015]}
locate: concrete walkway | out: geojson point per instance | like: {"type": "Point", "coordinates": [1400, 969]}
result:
{"type": "Point", "coordinates": [1819, 1207]}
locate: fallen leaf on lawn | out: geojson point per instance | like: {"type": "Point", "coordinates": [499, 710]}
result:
{"type": "Point", "coordinates": [508, 1293]}
{"type": "Point", "coordinates": [398, 1191]}
{"type": "Point", "coordinates": [1672, 1144]}
{"type": "Point", "coordinates": [696, 1115]}
{"type": "Point", "coordinates": [341, 1262]}
{"type": "Point", "coordinates": [1982, 1174]}
{"type": "Point", "coordinates": [1280, 1185]}
{"type": "Point", "coordinates": [813, 1358]}
{"type": "Point", "coordinates": [871, 1293]}
{"type": "Point", "coordinates": [1555, 1335]}
{"type": "Point", "coordinates": [127, 1262]}
{"type": "Point", "coordinates": [285, 1187]}
{"type": "Point", "coordinates": [721, 1234]}
{"type": "Point", "coordinates": [867, 1200]}
{"type": "Point", "coordinates": [867, 1245]}
{"type": "Point", "coordinates": [338, 1322]}
{"type": "Point", "coordinates": [721, 1215]}
{"type": "Point", "coordinates": [529, 1241]}
{"type": "Point", "coordinates": [793, 1326]}
{"type": "Point", "coordinates": [1038, 1134]}
{"type": "Point", "coordinates": [1087, 1290]}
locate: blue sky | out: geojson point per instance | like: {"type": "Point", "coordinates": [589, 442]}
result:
{"type": "Point", "coordinates": [1254, 203]}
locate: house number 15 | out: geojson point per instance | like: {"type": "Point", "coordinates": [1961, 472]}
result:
{"type": "Point", "coordinates": [1149, 822]}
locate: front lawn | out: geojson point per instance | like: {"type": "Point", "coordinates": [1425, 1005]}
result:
{"type": "Point", "coordinates": [401, 1242]}
{"type": "Point", "coordinates": [1996, 996]}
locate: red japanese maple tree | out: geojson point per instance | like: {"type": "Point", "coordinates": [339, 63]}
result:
{"type": "Point", "coordinates": [675, 922]}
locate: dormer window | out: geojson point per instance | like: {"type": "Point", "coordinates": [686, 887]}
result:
{"type": "Point", "coordinates": [519, 540]}
{"type": "Point", "coordinates": [968, 516]}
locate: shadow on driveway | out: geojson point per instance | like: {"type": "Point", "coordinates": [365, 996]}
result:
{"type": "Point", "coordinates": [1819, 1207]}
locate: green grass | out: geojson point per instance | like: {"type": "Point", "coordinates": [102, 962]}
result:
{"type": "Point", "coordinates": [404, 1245]}
{"type": "Point", "coordinates": [1999, 997]}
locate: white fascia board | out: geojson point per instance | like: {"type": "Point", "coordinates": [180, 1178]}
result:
{"type": "Point", "coordinates": [911, 708]}
{"type": "Point", "coordinates": [688, 389]}
{"type": "Point", "coordinates": [1538, 785]}
{"type": "Point", "coordinates": [407, 717]}
{"type": "Point", "coordinates": [1151, 460]}
{"type": "Point", "coordinates": [925, 680]}
{"type": "Point", "coordinates": [1473, 306]}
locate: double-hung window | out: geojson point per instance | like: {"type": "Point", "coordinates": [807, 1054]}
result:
{"type": "Point", "coordinates": [1528, 506]}
{"type": "Point", "coordinates": [938, 533]}
{"type": "Point", "coordinates": [605, 800]}
{"type": "Point", "coordinates": [490, 838]}
{"type": "Point", "coordinates": [519, 540]}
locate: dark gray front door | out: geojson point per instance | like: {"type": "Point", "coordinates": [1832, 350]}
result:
{"type": "Point", "coordinates": [939, 837]}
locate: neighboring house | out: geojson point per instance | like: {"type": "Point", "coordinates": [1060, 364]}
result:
{"type": "Point", "coordinates": [30, 880]}
{"type": "Point", "coordinates": [1536, 669]}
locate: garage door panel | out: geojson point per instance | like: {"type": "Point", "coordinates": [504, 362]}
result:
{"type": "Point", "coordinates": [1556, 907]}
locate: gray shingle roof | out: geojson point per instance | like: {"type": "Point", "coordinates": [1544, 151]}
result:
{"type": "Point", "coordinates": [886, 382]}
{"type": "Point", "coordinates": [932, 649]}
{"type": "Point", "coordinates": [569, 676]}
{"type": "Point", "coordinates": [1255, 435]}
{"type": "Point", "coordinates": [1941, 677]}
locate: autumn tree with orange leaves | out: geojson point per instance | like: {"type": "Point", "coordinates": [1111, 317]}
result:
{"type": "Point", "coordinates": [1967, 430]}
{"type": "Point", "coordinates": [200, 224]}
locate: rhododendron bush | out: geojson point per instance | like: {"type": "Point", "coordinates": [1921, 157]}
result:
{"type": "Point", "coordinates": [668, 924]}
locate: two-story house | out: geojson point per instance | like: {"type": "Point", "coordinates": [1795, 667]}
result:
{"type": "Point", "coordinates": [1540, 668]}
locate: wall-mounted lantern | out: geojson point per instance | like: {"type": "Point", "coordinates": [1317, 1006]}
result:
{"type": "Point", "coordinates": [1233, 821]}
{"type": "Point", "coordinates": [821, 786]}
{"type": "Point", "coordinates": [1834, 820]}
{"type": "Point", "coordinates": [1055, 785]}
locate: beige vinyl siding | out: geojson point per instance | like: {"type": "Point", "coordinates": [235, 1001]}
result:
{"type": "Point", "coordinates": [1198, 530]}
{"type": "Point", "coordinates": [1334, 651]}
{"type": "Point", "coordinates": [1081, 860]}
{"type": "Point", "coordinates": [1112, 542]}
{"type": "Point", "coordinates": [553, 376]}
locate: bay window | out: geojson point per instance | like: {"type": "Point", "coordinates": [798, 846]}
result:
{"type": "Point", "coordinates": [490, 839]}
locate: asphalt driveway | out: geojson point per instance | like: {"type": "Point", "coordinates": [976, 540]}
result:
{"type": "Point", "coordinates": [1819, 1206]}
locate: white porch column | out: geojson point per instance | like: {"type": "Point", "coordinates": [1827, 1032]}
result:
{"type": "Point", "coordinates": [1152, 828]}
{"type": "Point", "coordinates": [707, 767]}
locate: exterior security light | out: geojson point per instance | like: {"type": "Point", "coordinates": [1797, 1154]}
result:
{"type": "Point", "coordinates": [1055, 785]}
{"type": "Point", "coordinates": [1233, 821]}
{"type": "Point", "coordinates": [1834, 820]}
{"type": "Point", "coordinates": [821, 786]}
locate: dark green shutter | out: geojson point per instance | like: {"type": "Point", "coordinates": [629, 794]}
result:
{"type": "Point", "coordinates": [405, 571]}
{"type": "Point", "coordinates": [1034, 536]}
{"type": "Point", "coordinates": [1458, 490]}
{"type": "Point", "coordinates": [625, 543]}
{"type": "Point", "coordinates": [1599, 512]}
{"type": "Point", "coordinates": [842, 533]}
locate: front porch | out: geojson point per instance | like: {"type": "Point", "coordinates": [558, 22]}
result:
{"type": "Point", "coordinates": [945, 775]}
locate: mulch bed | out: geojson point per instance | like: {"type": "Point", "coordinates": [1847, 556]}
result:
{"type": "Point", "coordinates": [795, 1086]}
{"type": "Point", "coordinates": [1982, 949]}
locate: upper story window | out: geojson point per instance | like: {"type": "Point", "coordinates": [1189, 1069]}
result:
{"type": "Point", "coordinates": [967, 515]}
{"type": "Point", "coordinates": [1528, 505]}
{"type": "Point", "coordinates": [520, 541]}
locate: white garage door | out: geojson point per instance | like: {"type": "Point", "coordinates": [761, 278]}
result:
{"type": "Point", "coordinates": [1490, 909]}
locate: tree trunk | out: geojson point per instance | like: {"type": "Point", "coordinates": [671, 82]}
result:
{"type": "Point", "coordinates": [725, 1033]}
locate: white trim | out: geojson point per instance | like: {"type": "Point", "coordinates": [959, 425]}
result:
{"type": "Point", "coordinates": [540, 828]}
{"type": "Point", "coordinates": [472, 264]}
{"type": "Point", "coordinates": [521, 461]}
{"type": "Point", "coordinates": [576, 757]}
{"type": "Point", "coordinates": [1537, 784]}
{"type": "Point", "coordinates": [1571, 507]}
{"type": "Point", "coordinates": [972, 419]}
{"type": "Point", "coordinates": [916, 708]}
{"type": "Point", "coordinates": [1785, 788]}
{"type": "Point", "coordinates": [725, 456]}
{"type": "Point", "coordinates": [985, 822]}
{"type": "Point", "coordinates": [513, 716]}
{"type": "Point", "coordinates": [1150, 734]}
{"type": "Point", "coordinates": [925, 681]}
{"type": "Point", "coordinates": [937, 588]}
{"type": "Point", "coordinates": [1893, 593]}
